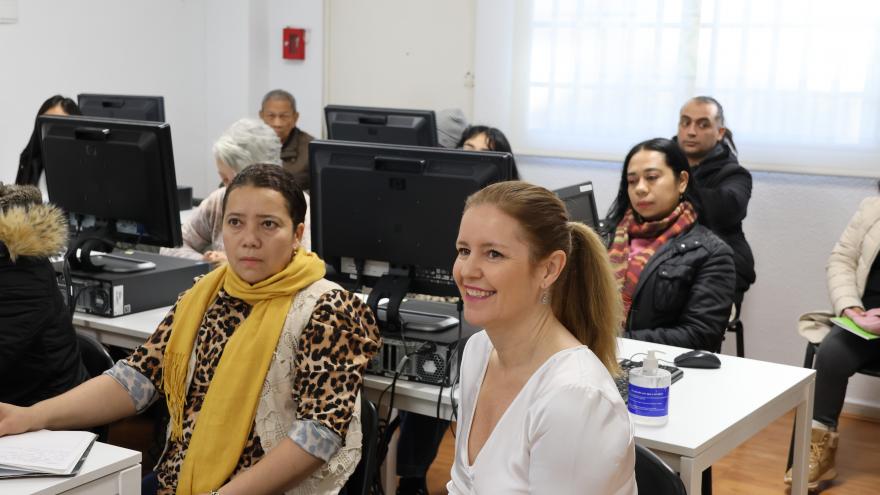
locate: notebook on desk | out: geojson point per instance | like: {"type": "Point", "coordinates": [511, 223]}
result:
{"type": "Point", "coordinates": [44, 453]}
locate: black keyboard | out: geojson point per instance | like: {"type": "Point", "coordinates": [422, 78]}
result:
{"type": "Point", "coordinates": [622, 381]}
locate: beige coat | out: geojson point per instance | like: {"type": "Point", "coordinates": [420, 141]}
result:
{"type": "Point", "coordinates": [847, 269]}
{"type": "Point", "coordinates": [853, 255]}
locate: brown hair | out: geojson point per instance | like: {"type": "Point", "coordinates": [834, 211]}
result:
{"type": "Point", "coordinates": [584, 298]}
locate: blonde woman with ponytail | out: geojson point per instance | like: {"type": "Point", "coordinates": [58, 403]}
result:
{"type": "Point", "coordinates": [539, 411]}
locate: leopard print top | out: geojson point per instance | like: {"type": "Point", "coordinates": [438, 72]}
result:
{"type": "Point", "coordinates": [331, 355]}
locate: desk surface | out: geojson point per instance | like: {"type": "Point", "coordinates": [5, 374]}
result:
{"type": "Point", "coordinates": [103, 460]}
{"type": "Point", "coordinates": [705, 405]}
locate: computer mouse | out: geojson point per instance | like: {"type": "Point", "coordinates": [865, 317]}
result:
{"type": "Point", "coordinates": [698, 359]}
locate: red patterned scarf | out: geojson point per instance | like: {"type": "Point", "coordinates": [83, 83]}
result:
{"type": "Point", "coordinates": [627, 269]}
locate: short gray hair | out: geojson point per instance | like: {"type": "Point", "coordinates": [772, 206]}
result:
{"type": "Point", "coordinates": [279, 94]}
{"type": "Point", "coordinates": [247, 142]}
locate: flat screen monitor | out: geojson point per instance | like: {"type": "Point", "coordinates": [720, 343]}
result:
{"type": "Point", "coordinates": [387, 216]}
{"type": "Point", "coordinates": [130, 107]}
{"type": "Point", "coordinates": [381, 125]}
{"type": "Point", "coordinates": [115, 180]}
{"type": "Point", "coordinates": [581, 203]}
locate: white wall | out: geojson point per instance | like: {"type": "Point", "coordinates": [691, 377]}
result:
{"type": "Point", "coordinates": [154, 48]}
{"type": "Point", "coordinates": [303, 78]}
{"type": "Point", "coordinates": [405, 54]}
{"type": "Point", "coordinates": [212, 60]}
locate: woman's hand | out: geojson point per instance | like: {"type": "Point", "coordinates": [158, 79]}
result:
{"type": "Point", "coordinates": [14, 419]}
{"type": "Point", "coordinates": [869, 320]}
{"type": "Point", "coordinates": [853, 311]}
{"type": "Point", "coordinates": [214, 256]}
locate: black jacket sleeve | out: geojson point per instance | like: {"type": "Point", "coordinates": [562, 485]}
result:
{"type": "Point", "coordinates": [725, 205]}
{"type": "Point", "coordinates": [705, 315]}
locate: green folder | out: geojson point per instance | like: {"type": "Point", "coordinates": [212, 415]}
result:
{"type": "Point", "coordinates": [847, 324]}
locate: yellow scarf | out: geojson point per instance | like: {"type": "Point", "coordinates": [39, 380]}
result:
{"type": "Point", "coordinates": [230, 405]}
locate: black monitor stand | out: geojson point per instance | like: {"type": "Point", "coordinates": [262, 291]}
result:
{"type": "Point", "coordinates": [397, 319]}
{"type": "Point", "coordinates": [80, 255]}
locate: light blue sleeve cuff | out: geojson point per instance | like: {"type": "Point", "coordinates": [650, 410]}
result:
{"type": "Point", "coordinates": [315, 438]}
{"type": "Point", "coordinates": [138, 386]}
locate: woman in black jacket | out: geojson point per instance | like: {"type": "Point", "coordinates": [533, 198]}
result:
{"type": "Point", "coordinates": [676, 276]}
{"type": "Point", "coordinates": [39, 356]}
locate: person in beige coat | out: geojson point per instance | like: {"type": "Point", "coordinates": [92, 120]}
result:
{"type": "Point", "coordinates": [853, 274]}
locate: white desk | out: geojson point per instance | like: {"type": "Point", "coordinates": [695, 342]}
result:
{"type": "Point", "coordinates": [711, 411]}
{"type": "Point", "coordinates": [127, 331]}
{"type": "Point", "coordinates": [107, 470]}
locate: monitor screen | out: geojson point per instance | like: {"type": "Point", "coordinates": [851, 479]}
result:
{"type": "Point", "coordinates": [115, 178]}
{"type": "Point", "coordinates": [381, 125]}
{"type": "Point", "coordinates": [149, 108]}
{"type": "Point", "coordinates": [581, 203]}
{"type": "Point", "coordinates": [384, 209]}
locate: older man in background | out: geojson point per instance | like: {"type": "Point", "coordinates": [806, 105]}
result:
{"type": "Point", "coordinates": [278, 111]}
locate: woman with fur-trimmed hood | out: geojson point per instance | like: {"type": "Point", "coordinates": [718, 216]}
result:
{"type": "Point", "coordinates": [39, 355]}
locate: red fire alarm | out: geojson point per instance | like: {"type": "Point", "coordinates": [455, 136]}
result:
{"type": "Point", "coordinates": [294, 46]}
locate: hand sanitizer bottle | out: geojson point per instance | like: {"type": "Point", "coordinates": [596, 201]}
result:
{"type": "Point", "coordinates": [649, 393]}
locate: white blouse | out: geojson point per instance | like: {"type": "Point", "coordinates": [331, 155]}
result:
{"type": "Point", "coordinates": [566, 432]}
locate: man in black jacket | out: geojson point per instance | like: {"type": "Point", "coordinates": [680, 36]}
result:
{"type": "Point", "coordinates": [39, 355]}
{"type": "Point", "coordinates": [725, 186]}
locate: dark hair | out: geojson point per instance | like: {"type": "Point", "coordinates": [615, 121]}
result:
{"type": "Point", "coordinates": [496, 140]}
{"type": "Point", "coordinates": [584, 298]}
{"type": "Point", "coordinates": [276, 178]}
{"type": "Point", "coordinates": [279, 94]}
{"type": "Point", "coordinates": [69, 106]}
{"type": "Point", "coordinates": [30, 162]}
{"type": "Point", "coordinates": [675, 159]}
{"type": "Point", "coordinates": [719, 117]}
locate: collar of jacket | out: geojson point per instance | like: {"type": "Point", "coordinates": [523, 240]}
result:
{"type": "Point", "coordinates": [36, 230]}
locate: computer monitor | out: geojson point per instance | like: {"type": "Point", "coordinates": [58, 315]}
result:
{"type": "Point", "coordinates": [381, 125]}
{"type": "Point", "coordinates": [130, 107]}
{"type": "Point", "coordinates": [581, 203]}
{"type": "Point", "coordinates": [115, 180]}
{"type": "Point", "coordinates": [387, 216]}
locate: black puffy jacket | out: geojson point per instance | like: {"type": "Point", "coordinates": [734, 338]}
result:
{"type": "Point", "coordinates": [39, 355]}
{"type": "Point", "coordinates": [684, 293]}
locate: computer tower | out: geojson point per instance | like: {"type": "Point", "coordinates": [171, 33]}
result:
{"type": "Point", "coordinates": [431, 357]}
{"type": "Point", "coordinates": [117, 294]}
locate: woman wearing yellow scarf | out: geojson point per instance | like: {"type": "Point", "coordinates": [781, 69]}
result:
{"type": "Point", "coordinates": [260, 363]}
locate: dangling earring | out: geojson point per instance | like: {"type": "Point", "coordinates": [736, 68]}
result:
{"type": "Point", "coordinates": [545, 297]}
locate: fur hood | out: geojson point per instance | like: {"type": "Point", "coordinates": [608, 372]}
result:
{"type": "Point", "coordinates": [30, 229]}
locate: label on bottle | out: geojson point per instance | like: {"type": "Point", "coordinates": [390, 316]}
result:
{"type": "Point", "coordinates": [652, 402]}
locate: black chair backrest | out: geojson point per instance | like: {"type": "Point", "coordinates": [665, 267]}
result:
{"type": "Point", "coordinates": [655, 477]}
{"type": "Point", "coordinates": [361, 480]}
{"type": "Point", "coordinates": [95, 357]}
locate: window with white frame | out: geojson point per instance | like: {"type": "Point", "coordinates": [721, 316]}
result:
{"type": "Point", "coordinates": [799, 79]}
